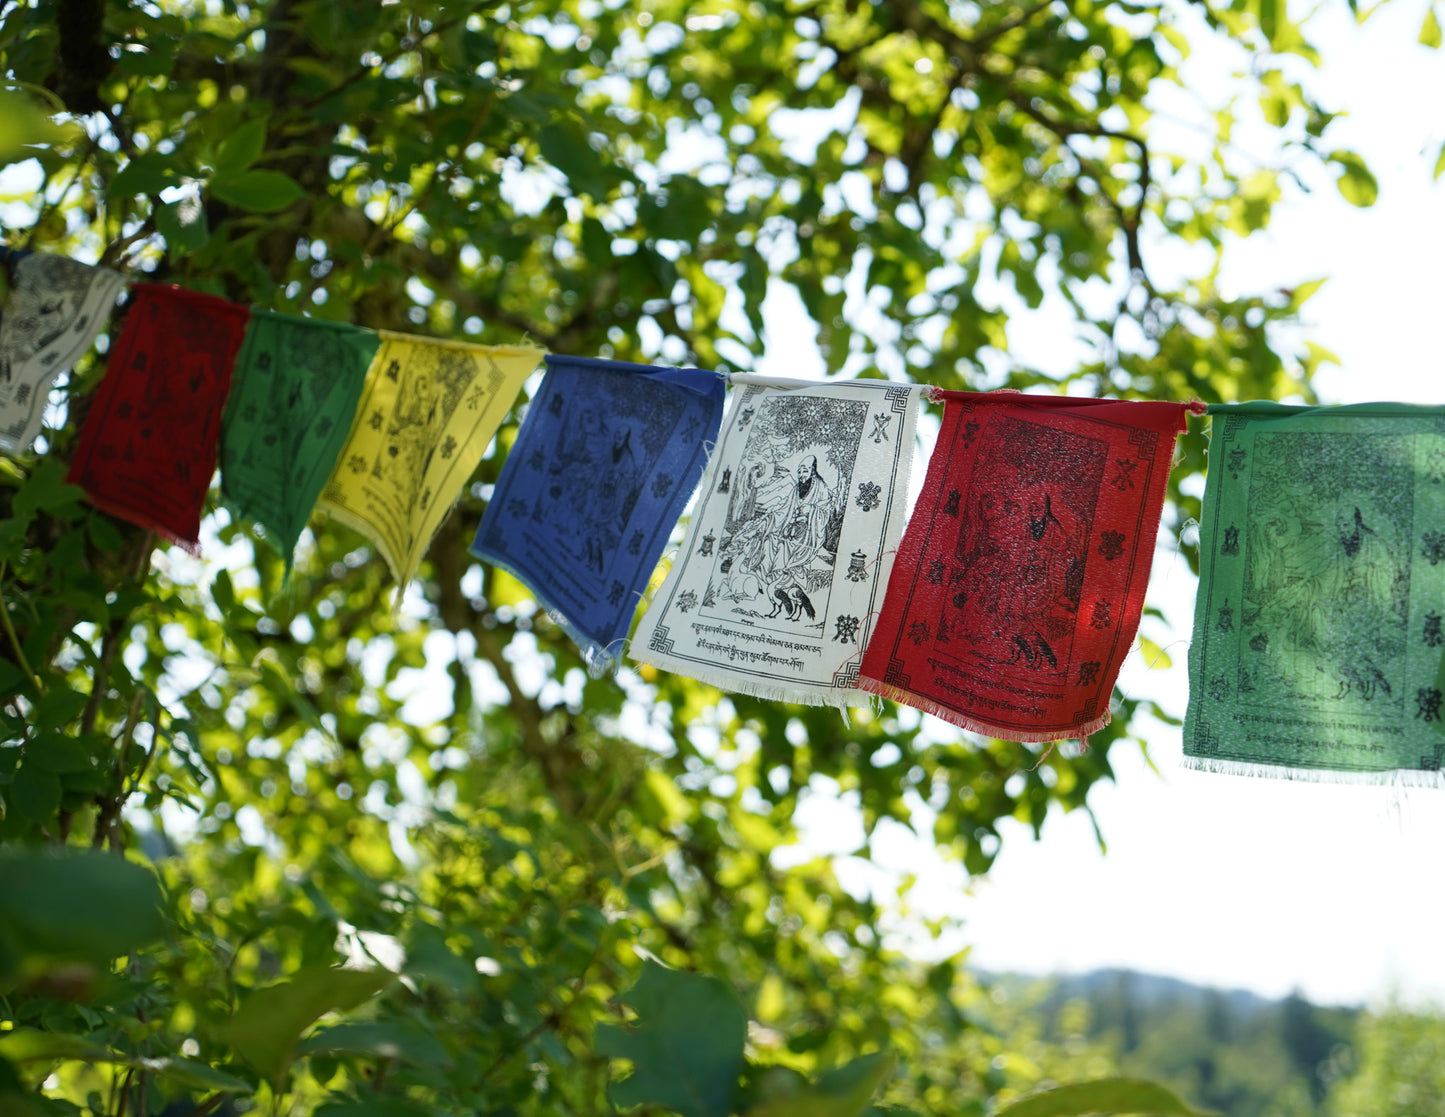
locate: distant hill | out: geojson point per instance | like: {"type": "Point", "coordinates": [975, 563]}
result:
{"type": "Point", "coordinates": [1146, 988]}
{"type": "Point", "coordinates": [1224, 1049]}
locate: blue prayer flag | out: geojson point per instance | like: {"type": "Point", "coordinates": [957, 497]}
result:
{"type": "Point", "coordinates": [603, 465]}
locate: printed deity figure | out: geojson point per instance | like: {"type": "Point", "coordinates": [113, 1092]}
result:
{"type": "Point", "coordinates": [785, 533]}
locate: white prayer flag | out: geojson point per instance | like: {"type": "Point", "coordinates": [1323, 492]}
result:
{"type": "Point", "coordinates": [54, 312]}
{"type": "Point", "coordinates": [789, 549]}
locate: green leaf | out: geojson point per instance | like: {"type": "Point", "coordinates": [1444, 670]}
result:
{"type": "Point", "coordinates": [1109, 1095]}
{"type": "Point", "coordinates": [1357, 184]}
{"type": "Point", "coordinates": [328, 72]}
{"type": "Point", "coordinates": [846, 1091]}
{"type": "Point", "coordinates": [567, 150]}
{"type": "Point", "coordinates": [264, 1030]}
{"type": "Point", "coordinates": [1303, 292]}
{"type": "Point", "coordinates": [1272, 19]}
{"type": "Point", "coordinates": [76, 905]}
{"type": "Point", "coordinates": [156, 61]}
{"type": "Point", "coordinates": [145, 174]}
{"type": "Point", "coordinates": [373, 1107]}
{"type": "Point", "coordinates": [35, 794]}
{"type": "Point", "coordinates": [183, 224]}
{"type": "Point", "coordinates": [523, 107]}
{"type": "Point", "coordinates": [1316, 355]}
{"type": "Point", "coordinates": [1440, 162]}
{"type": "Point", "coordinates": [15, 1100]}
{"type": "Point", "coordinates": [428, 956]}
{"type": "Point", "coordinates": [58, 708]}
{"type": "Point", "coordinates": [12, 537]}
{"type": "Point", "coordinates": [223, 592]}
{"type": "Point", "coordinates": [188, 1072]}
{"type": "Point", "coordinates": [1430, 30]}
{"type": "Point", "coordinates": [387, 1039]}
{"type": "Point", "coordinates": [46, 490]}
{"type": "Point", "coordinates": [596, 241]}
{"type": "Point", "coordinates": [258, 191]}
{"type": "Point", "coordinates": [24, 124]}
{"type": "Point", "coordinates": [30, 1045]}
{"type": "Point", "coordinates": [1155, 657]}
{"type": "Point", "coordinates": [57, 752]}
{"type": "Point", "coordinates": [241, 148]}
{"type": "Point", "coordinates": [103, 532]}
{"type": "Point", "coordinates": [860, 1079]}
{"type": "Point", "coordinates": [686, 1047]}
{"type": "Point", "coordinates": [1176, 39]}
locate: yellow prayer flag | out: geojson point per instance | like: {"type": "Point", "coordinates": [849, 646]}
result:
{"type": "Point", "coordinates": [427, 414]}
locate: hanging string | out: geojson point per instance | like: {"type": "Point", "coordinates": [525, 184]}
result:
{"type": "Point", "coordinates": [931, 393]}
{"type": "Point", "coordinates": [754, 379]}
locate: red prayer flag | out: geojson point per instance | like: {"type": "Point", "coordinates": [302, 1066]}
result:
{"type": "Point", "coordinates": [148, 448]}
{"type": "Point", "coordinates": [1020, 580]}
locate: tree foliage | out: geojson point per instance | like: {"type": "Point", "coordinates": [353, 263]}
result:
{"type": "Point", "coordinates": [1400, 1068]}
{"type": "Point", "coordinates": [439, 795]}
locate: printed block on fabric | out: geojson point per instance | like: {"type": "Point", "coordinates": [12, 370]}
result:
{"type": "Point", "coordinates": [53, 314]}
{"type": "Point", "coordinates": [147, 451]}
{"type": "Point", "coordinates": [782, 571]}
{"type": "Point", "coordinates": [1020, 581]}
{"type": "Point", "coordinates": [605, 461]}
{"type": "Point", "coordinates": [292, 404]}
{"type": "Point", "coordinates": [1317, 639]}
{"type": "Point", "coordinates": [426, 415]}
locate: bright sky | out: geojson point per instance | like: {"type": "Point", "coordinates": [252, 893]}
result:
{"type": "Point", "coordinates": [1264, 884]}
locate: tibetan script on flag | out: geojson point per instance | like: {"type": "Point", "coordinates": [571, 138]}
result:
{"type": "Point", "coordinates": [604, 463]}
{"type": "Point", "coordinates": [147, 451]}
{"type": "Point", "coordinates": [1318, 644]}
{"type": "Point", "coordinates": [426, 416]}
{"type": "Point", "coordinates": [55, 310]}
{"type": "Point", "coordinates": [1020, 583]}
{"type": "Point", "coordinates": [787, 553]}
{"type": "Point", "coordinates": [292, 403]}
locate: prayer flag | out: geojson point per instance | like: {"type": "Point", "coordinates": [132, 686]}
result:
{"type": "Point", "coordinates": [1318, 645]}
{"type": "Point", "coordinates": [297, 381]}
{"type": "Point", "coordinates": [1020, 582]}
{"type": "Point", "coordinates": [147, 451]}
{"type": "Point", "coordinates": [789, 548]}
{"type": "Point", "coordinates": [55, 310]}
{"type": "Point", "coordinates": [427, 413]}
{"type": "Point", "coordinates": [604, 463]}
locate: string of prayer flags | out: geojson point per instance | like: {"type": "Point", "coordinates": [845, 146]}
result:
{"type": "Point", "coordinates": [603, 465]}
{"type": "Point", "coordinates": [790, 545]}
{"type": "Point", "coordinates": [1020, 582]}
{"type": "Point", "coordinates": [147, 450]}
{"type": "Point", "coordinates": [1007, 607]}
{"type": "Point", "coordinates": [55, 310]}
{"type": "Point", "coordinates": [1318, 646]}
{"type": "Point", "coordinates": [292, 403]}
{"type": "Point", "coordinates": [426, 415]}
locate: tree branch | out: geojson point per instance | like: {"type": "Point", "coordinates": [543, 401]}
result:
{"type": "Point", "coordinates": [84, 61]}
{"type": "Point", "coordinates": [20, 659]}
{"type": "Point", "coordinates": [973, 58]}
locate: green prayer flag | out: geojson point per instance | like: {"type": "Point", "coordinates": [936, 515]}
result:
{"type": "Point", "coordinates": [1318, 648]}
{"type": "Point", "coordinates": [293, 399]}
